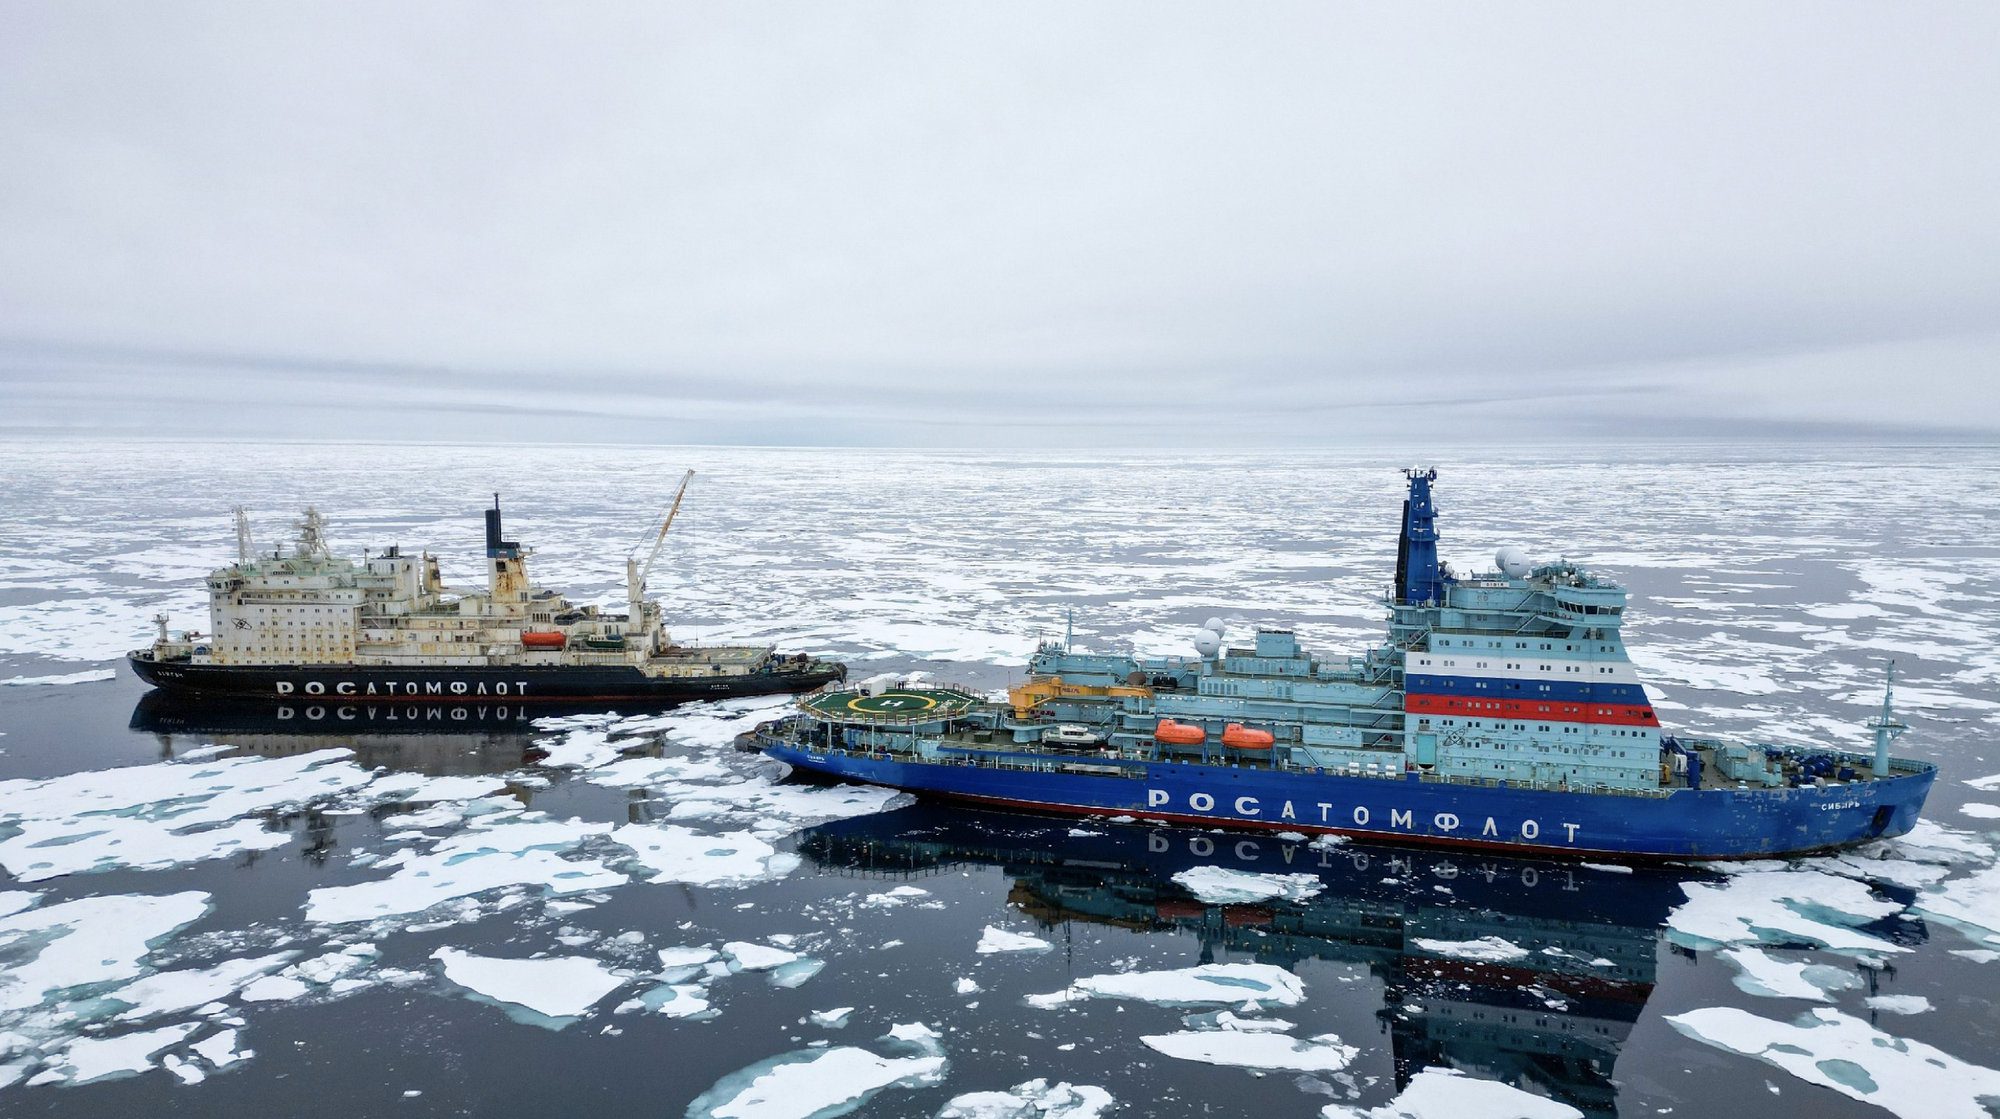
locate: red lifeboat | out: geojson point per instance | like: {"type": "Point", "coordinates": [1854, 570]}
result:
{"type": "Point", "coordinates": [1177, 909]}
{"type": "Point", "coordinates": [1179, 734]}
{"type": "Point", "coordinates": [1236, 736]}
{"type": "Point", "coordinates": [541, 639]}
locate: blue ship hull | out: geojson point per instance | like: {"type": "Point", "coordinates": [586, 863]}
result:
{"type": "Point", "coordinates": [1672, 824]}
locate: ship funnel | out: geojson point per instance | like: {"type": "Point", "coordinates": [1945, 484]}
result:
{"type": "Point", "coordinates": [497, 548]}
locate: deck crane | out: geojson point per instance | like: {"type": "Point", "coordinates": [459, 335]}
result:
{"type": "Point", "coordinates": [638, 625]}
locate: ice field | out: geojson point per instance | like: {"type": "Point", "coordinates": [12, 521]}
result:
{"type": "Point", "coordinates": [318, 910]}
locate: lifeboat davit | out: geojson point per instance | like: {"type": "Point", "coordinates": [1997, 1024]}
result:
{"type": "Point", "coordinates": [1236, 736]}
{"type": "Point", "coordinates": [541, 639]}
{"type": "Point", "coordinates": [1179, 734]}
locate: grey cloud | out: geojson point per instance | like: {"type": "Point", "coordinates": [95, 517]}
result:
{"type": "Point", "coordinates": [920, 224]}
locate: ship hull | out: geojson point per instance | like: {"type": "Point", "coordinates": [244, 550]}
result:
{"type": "Point", "coordinates": [1681, 824]}
{"type": "Point", "coordinates": [471, 683]}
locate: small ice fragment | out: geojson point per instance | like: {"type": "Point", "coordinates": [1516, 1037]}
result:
{"type": "Point", "coordinates": [556, 987]}
{"type": "Point", "coordinates": [1899, 1004]}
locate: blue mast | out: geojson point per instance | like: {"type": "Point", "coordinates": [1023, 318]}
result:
{"type": "Point", "coordinates": [1418, 577]}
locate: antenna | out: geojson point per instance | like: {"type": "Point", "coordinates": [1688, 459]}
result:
{"type": "Point", "coordinates": [242, 535]}
{"type": "Point", "coordinates": [1886, 726]}
{"type": "Point", "coordinates": [312, 535]}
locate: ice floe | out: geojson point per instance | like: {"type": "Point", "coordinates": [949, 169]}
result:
{"type": "Point", "coordinates": [88, 1059]}
{"type": "Point", "coordinates": [558, 988]}
{"type": "Point", "coordinates": [1445, 1093]}
{"type": "Point", "coordinates": [1971, 902]}
{"type": "Point", "coordinates": [517, 851]}
{"type": "Point", "coordinates": [172, 992]}
{"type": "Point", "coordinates": [1490, 948]}
{"type": "Point", "coordinates": [1761, 973]}
{"type": "Point", "coordinates": [1222, 886]}
{"type": "Point", "coordinates": [1825, 1047]}
{"type": "Point", "coordinates": [1206, 985]}
{"type": "Point", "coordinates": [821, 1083]}
{"type": "Point", "coordinates": [1255, 1049]}
{"type": "Point", "coordinates": [87, 941]}
{"type": "Point", "coordinates": [220, 1050]}
{"type": "Point", "coordinates": [995, 940]}
{"type": "Point", "coordinates": [671, 853]}
{"type": "Point", "coordinates": [1036, 1099]}
{"type": "Point", "coordinates": [1777, 904]}
{"type": "Point", "coordinates": [152, 816]}
{"type": "Point", "coordinates": [89, 677]}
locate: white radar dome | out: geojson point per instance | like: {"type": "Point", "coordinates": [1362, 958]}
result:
{"type": "Point", "coordinates": [1214, 625]}
{"type": "Point", "coordinates": [1207, 643]}
{"type": "Point", "coordinates": [1512, 562]}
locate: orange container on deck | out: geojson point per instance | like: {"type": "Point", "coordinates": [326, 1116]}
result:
{"type": "Point", "coordinates": [1179, 734]}
{"type": "Point", "coordinates": [541, 640]}
{"type": "Point", "coordinates": [1236, 736]}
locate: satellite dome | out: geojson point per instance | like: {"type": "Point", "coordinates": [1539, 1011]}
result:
{"type": "Point", "coordinates": [1213, 625]}
{"type": "Point", "coordinates": [1207, 643]}
{"type": "Point", "coordinates": [1512, 562]}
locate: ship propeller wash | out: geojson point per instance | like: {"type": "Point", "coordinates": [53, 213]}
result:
{"type": "Point", "coordinates": [1501, 711]}
{"type": "Point", "coordinates": [310, 625]}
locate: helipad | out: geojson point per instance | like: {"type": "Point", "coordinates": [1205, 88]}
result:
{"type": "Point", "coordinates": [898, 705]}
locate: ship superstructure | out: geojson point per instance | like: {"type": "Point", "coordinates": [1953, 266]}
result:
{"type": "Point", "coordinates": [1500, 710]}
{"type": "Point", "coordinates": [305, 622]}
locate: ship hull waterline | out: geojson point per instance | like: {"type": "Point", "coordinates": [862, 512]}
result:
{"type": "Point", "coordinates": [1684, 824]}
{"type": "Point", "coordinates": [472, 683]}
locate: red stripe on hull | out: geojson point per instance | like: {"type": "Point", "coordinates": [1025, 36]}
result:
{"type": "Point", "coordinates": [1604, 714]}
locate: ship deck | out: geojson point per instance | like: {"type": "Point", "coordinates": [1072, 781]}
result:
{"type": "Point", "coordinates": [889, 730]}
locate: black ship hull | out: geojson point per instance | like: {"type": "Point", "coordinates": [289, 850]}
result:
{"type": "Point", "coordinates": [559, 684]}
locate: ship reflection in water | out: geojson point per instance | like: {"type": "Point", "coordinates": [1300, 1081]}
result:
{"type": "Point", "coordinates": [432, 738]}
{"type": "Point", "coordinates": [1550, 1018]}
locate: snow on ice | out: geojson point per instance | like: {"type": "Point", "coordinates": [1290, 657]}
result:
{"type": "Point", "coordinates": [1446, 1093]}
{"type": "Point", "coordinates": [1206, 985]}
{"type": "Point", "coordinates": [996, 940]}
{"type": "Point", "coordinates": [1830, 1049]}
{"type": "Point", "coordinates": [557, 988]}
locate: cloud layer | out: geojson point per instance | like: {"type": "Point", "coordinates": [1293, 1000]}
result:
{"type": "Point", "coordinates": [917, 224]}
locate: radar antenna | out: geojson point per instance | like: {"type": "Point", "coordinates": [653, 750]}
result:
{"type": "Point", "coordinates": [242, 535]}
{"type": "Point", "coordinates": [312, 535]}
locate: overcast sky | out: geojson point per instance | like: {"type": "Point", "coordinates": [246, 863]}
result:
{"type": "Point", "coordinates": [1065, 224]}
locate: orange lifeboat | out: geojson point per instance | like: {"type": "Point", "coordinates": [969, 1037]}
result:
{"type": "Point", "coordinates": [1178, 909]}
{"type": "Point", "coordinates": [1179, 734]}
{"type": "Point", "coordinates": [544, 640]}
{"type": "Point", "coordinates": [1236, 736]}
